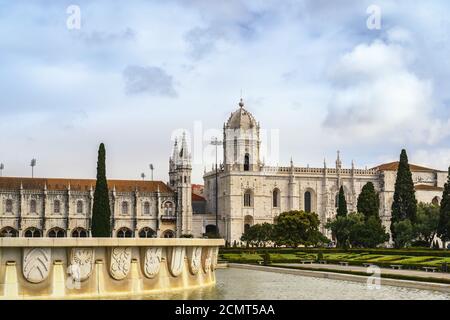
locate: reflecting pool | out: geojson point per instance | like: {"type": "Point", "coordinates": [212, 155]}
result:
{"type": "Point", "coordinates": [257, 285]}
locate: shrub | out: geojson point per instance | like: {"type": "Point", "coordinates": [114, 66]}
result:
{"type": "Point", "coordinates": [186, 236]}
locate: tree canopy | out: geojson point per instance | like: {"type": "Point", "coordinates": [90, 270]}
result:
{"type": "Point", "coordinates": [290, 229]}
{"type": "Point", "coordinates": [404, 205]}
{"type": "Point", "coordinates": [342, 203]}
{"type": "Point", "coordinates": [368, 201]}
{"type": "Point", "coordinates": [355, 231]}
{"type": "Point", "coordinates": [101, 211]}
{"type": "Point", "coordinates": [426, 225]}
{"type": "Point", "coordinates": [444, 214]}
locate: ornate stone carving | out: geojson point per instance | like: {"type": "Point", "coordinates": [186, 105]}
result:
{"type": "Point", "coordinates": [120, 262]}
{"type": "Point", "coordinates": [214, 258]}
{"type": "Point", "coordinates": [176, 256]}
{"type": "Point", "coordinates": [83, 260]}
{"type": "Point", "coordinates": [36, 264]}
{"type": "Point", "coordinates": [195, 259]}
{"type": "Point", "coordinates": [152, 262]}
{"type": "Point", "coordinates": [207, 258]}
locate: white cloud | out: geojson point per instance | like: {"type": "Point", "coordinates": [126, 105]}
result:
{"type": "Point", "coordinates": [152, 80]}
{"type": "Point", "coordinates": [438, 158]}
{"type": "Point", "coordinates": [377, 96]}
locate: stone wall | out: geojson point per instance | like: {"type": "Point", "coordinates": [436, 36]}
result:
{"type": "Point", "coordinates": [103, 267]}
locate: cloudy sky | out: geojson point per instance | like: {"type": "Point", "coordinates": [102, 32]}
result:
{"type": "Point", "coordinates": [137, 73]}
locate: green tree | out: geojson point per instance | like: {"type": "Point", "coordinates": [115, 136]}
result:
{"type": "Point", "coordinates": [444, 214]}
{"type": "Point", "coordinates": [294, 228]}
{"type": "Point", "coordinates": [368, 201]}
{"type": "Point", "coordinates": [101, 211]}
{"type": "Point", "coordinates": [341, 227]}
{"type": "Point", "coordinates": [342, 203]}
{"type": "Point", "coordinates": [258, 234]}
{"type": "Point", "coordinates": [356, 231]}
{"type": "Point", "coordinates": [427, 222]}
{"type": "Point", "coordinates": [405, 203]}
{"type": "Point", "coordinates": [404, 232]}
{"type": "Point", "coordinates": [368, 233]}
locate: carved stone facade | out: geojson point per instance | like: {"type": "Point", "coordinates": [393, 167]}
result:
{"type": "Point", "coordinates": [41, 207]}
{"type": "Point", "coordinates": [102, 267]}
{"type": "Point", "coordinates": [63, 208]}
{"type": "Point", "coordinates": [249, 192]}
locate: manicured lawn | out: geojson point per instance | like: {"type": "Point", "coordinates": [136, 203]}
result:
{"type": "Point", "coordinates": [352, 258]}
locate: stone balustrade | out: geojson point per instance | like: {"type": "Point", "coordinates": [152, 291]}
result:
{"type": "Point", "coordinates": [43, 268]}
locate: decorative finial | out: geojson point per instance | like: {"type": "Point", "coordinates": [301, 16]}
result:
{"type": "Point", "coordinates": [241, 103]}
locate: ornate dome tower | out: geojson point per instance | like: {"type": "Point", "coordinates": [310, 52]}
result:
{"type": "Point", "coordinates": [241, 141]}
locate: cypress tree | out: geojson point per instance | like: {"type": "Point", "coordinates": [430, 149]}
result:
{"type": "Point", "coordinates": [101, 212]}
{"type": "Point", "coordinates": [405, 203]}
{"type": "Point", "coordinates": [444, 213]}
{"type": "Point", "coordinates": [368, 201]}
{"type": "Point", "coordinates": [342, 203]}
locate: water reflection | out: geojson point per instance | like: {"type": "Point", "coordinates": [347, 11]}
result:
{"type": "Point", "coordinates": [256, 285]}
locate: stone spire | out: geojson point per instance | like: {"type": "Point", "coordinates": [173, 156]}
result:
{"type": "Point", "coordinates": [338, 160]}
{"type": "Point", "coordinates": [175, 151]}
{"type": "Point", "coordinates": [184, 155]}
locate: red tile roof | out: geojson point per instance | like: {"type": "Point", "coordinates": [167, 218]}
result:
{"type": "Point", "coordinates": [196, 197]}
{"type": "Point", "coordinates": [393, 166]}
{"type": "Point", "coordinates": [13, 183]}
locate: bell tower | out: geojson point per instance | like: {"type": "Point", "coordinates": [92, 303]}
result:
{"type": "Point", "coordinates": [241, 148]}
{"type": "Point", "coordinates": [183, 187]}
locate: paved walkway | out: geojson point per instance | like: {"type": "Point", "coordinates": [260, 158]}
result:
{"type": "Point", "coordinates": [413, 273]}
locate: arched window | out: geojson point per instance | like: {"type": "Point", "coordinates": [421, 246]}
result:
{"type": "Point", "coordinates": [56, 206]}
{"type": "Point", "coordinates": [307, 201]}
{"type": "Point", "coordinates": [168, 208]}
{"type": "Point", "coordinates": [336, 200]}
{"type": "Point", "coordinates": [168, 234]}
{"type": "Point", "coordinates": [210, 228]}
{"type": "Point", "coordinates": [147, 207]}
{"type": "Point", "coordinates": [79, 233]}
{"type": "Point", "coordinates": [248, 222]}
{"type": "Point", "coordinates": [56, 233]}
{"type": "Point", "coordinates": [124, 233]}
{"type": "Point", "coordinates": [124, 207]}
{"type": "Point", "coordinates": [9, 206]}
{"type": "Point", "coordinates": [33, 206]}
{"type": "Point", "coordinates": [435, 201]}
{"type": "Point", "coordinates": [248, 198]}
{"type": "Point", "coordinates": [146, 232]}
{"type": "Point", "coordinates": [276, 198]}
{"type": "Point", "coordinates": [247, 162]}
{"type": "Point", "coordinates": [32, 233]}
{"type": "Point", "coordinates": [8, 232]}
{"type": "Point", "coordinates": [80, 207]}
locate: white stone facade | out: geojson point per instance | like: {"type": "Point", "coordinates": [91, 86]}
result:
{"type": "Point", "coordinates": [250, 192]}
{"type": "Point", "coordinates": [63, 207]}
{"type": "Point", "coordinates": [41, 207]}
